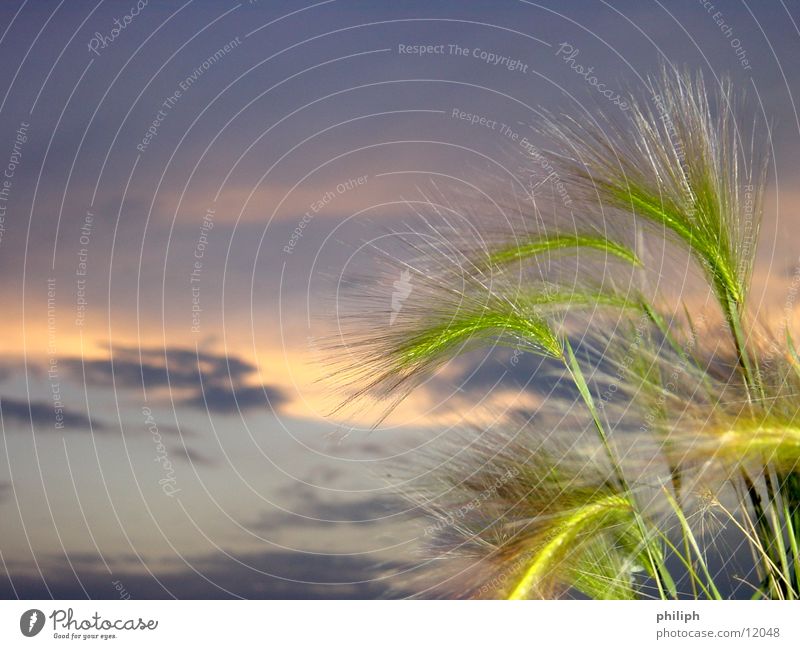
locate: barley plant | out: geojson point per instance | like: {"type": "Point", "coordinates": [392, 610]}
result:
{"type": "Point", "coordinates": [662, 458]}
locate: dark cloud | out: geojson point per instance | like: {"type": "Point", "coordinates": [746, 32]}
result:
{"type": "Point", "coordinates": [479, 373]}
{"type": "Point", "coordinates": [159, 367]}
{"type": "Point", "coordinates": [183, 431]}
{"type": "Point", "coordinates": [285, 575]}
{"type": "Point", "coordinates": [192, 456]}
{"type": "Point", "coordinates": [365, 510]}
{"type": "Point", "coordinates": [315, 512]}
{"type": "Point", "coordinates": [227, 399]}
{"type": "Point", "coordinates": [266, 575]}
{"type": "Point", "coordinates": [214, 382]}
{"type": "Point", "coordinates": [42, 414]}
{"type": "Point", "coordinates": [324, 474]}
{"type": "Point", "coordinates": [11, 365]}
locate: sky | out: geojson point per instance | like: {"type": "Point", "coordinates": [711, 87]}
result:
{"type": "Point", "coordinates": [186, 191]}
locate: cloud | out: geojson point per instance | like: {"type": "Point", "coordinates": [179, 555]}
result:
{"type": "Point", "coordinates": [159, 367]}
{"type": "Point", "coordinates": [315, 512]}
{"type": "Point", "coordinates": [227, 399]}
{"type": "Point", "coordinates": [501, 367]}
{"type": "Point", "coordinates": [11, 365]}
{"type": "Point", "coordinates": [42, 414]}
{"type": "Point", "coordinates": [262, 575]}
{"type": "Point", "coordinates": [192, 456]}
{"type": "Point", "coordinates": [333, 196]}
{"type": "Point", "coordinates": [202, 380]}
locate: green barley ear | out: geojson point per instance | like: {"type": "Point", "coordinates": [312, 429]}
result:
{"type": "Point", "coordinates": [764, 434]}
{"type": "Point", "coordinates": [761, 440]}
{"type": "Point", "coordinates": [528, 247]}
{"type": "Point", "coordinates": [680, 164]}
{"type": "Point", "coordinates": [603, 573]}
{"type": "Point", "coordinates": [448, 312]}
{"type": "Point", "coordinates": [585, 545]}
{"type": "Point", "coordinates": [533, 518]}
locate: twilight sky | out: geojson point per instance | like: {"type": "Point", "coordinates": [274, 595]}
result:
{"type": "Point", "coordinates": [182, 199]}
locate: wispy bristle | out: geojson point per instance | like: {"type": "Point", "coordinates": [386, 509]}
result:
{"type": "Point", "coordinates": [679, 164]}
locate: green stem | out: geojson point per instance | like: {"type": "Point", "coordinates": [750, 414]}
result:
{"type": "Point", "coordinates": [659, 572]}
{"type": "Point", "coordinates": [689, 536]}
{"type": "Point", "coordinates": [751, 376]}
